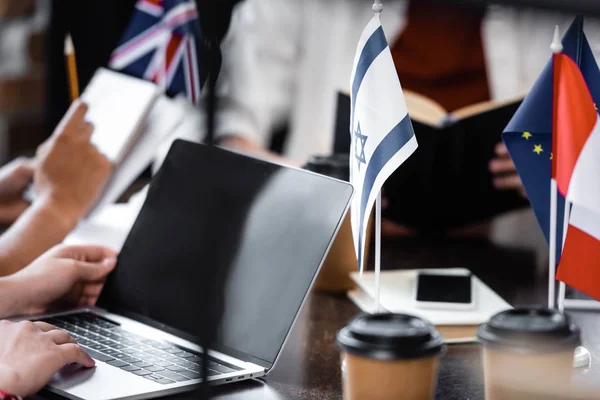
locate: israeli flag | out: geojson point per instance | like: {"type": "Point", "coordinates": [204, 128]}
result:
{"type": "Point", "coordinates": [382, 134]}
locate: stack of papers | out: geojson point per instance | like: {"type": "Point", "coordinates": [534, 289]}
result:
{"type": "Point", "coordinates": [396, 296]}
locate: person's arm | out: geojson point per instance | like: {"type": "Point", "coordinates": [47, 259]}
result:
{"type": "Point", "coordinates": [69, 176]}
{"type": "Point", "coordinates": [42, 226]}
{"type": "Point", "coordinates": [505, 174]}
{"type": "Point", "coordinates": [258, 74]}
{"type": "Point", "coordinates": [32, 352]}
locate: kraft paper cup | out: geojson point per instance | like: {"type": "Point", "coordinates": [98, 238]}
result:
{"type": "Point", "coordinates": [389, 357]}
{"type": "Point", "coordinates": [527, 351]}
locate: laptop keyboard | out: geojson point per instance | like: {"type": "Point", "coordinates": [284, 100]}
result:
{"type": "Point", "coordinates": [158, 361]}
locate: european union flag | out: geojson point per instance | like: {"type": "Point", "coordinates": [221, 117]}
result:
{"type": "Point", "coordinates": [528, 136]}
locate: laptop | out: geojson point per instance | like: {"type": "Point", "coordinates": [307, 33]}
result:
{"type": "Point", "coordinates": [221, 237]}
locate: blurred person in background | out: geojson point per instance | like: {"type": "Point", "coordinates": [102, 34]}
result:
{"type": "Point", "coordinates": [286, 60]}
{"type": "Point", "coordinates": [68, 175]}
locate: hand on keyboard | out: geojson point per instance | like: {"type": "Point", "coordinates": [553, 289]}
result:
{"type": "Point", "coordinates": [32, 352]}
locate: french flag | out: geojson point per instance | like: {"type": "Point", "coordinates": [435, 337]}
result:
{"type": "Point", "coordinates": [576, 168]}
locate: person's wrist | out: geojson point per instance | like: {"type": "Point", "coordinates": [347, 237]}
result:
{"type": "Point", "coordinates": [14, 298]}
{"type": "Point", "coordinates": [9, 381]}
{"type": "Point", "coordinates": [66, 214]}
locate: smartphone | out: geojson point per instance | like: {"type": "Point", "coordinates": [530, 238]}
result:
{"type": "Point", "coordinates": [444, 291]}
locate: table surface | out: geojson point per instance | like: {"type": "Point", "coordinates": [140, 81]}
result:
{"type": "Point", "coordinates": [309, 366]}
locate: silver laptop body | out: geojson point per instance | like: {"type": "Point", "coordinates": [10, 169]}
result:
{"type": "Point", "coordinates": [252, 340]}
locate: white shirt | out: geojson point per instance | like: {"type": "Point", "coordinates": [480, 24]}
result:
{"type": "Point", "coordinates": [286, 60]}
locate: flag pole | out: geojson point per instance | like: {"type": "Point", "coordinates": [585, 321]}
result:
{"type": "Point", "coordinates": [556, 47]}
{"type": "Point", "coordinates": [378, 251]}
{"type": "Point", "coordinates": [377, 8]}
{"type": "Point", "coordinates": [552, 253]}
{"type": "Point", "coordinates": [562, 286]}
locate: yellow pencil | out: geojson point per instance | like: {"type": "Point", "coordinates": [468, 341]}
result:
{"type": "Point", "coordinates": [71, 64]}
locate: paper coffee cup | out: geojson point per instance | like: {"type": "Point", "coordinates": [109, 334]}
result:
{"type": "Point", "coordinates": [389, 356]}
{"type": "Point", "coordinates": [528, 353]}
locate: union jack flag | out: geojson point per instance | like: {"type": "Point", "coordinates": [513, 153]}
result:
{"type": "Point", "coordinates": [159, 45]}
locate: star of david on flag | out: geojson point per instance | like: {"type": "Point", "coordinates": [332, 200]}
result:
{"type": "Point", "coordinates": [360, 142]}
{"type": "Point", "coordinates": [380, 128]}
{"type": "Point", "coordinates": [161, 45]}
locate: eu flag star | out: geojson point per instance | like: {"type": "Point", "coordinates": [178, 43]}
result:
{"type": "Point", "coordinates": [537, 149]}
{"type": "Point", "coordinates": [359, 150]}
{"type": "Point", "coordinates": [527, 135]}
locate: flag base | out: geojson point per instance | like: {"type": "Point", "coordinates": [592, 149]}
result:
{"type": "Point", "coordinates": [580, 304]}
{"type": "Point", "coordinates": [582, 358]}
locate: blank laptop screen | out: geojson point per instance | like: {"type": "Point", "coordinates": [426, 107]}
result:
{"type": "Point", "coordinates": [210, 212]}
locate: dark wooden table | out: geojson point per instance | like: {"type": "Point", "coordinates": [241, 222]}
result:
{"type": "Point", "coordinates": [309, 366]}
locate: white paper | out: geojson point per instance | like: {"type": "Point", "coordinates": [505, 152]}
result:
{"type": "Point", "coordinates": [397, 291]}
{"type": "Point", "coordinates": [164, 118]}
{"type": "Point", "coordinates": [118, 105]}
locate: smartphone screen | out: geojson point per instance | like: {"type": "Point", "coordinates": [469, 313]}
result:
{"type": "Point", "coordinates": [444, 288]}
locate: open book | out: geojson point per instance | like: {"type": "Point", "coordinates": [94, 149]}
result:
{"type": "Point", "coordinates": [446, 183]}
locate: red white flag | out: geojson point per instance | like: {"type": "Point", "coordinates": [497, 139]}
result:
{"type": "Point", "coordinates": [576, 168]}
{"type": "Point", "coordinates": [580, 262]}
{"type": "Point", "coordinates": [576, 136]}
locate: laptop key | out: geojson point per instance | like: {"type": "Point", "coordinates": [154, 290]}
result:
{"type": "Point", "coordinates": [164, 381]}
{"type": "Point", "coordinates": [190, 374]}
{"type": "Point", "coordinates": [142, 372]}
{"type": "Point", "coordinates": [163, 363]}
{"type": "Point", "coordinates": [111, 352]}
{"type": "Point", "coordinates": [117, 363]}
{"type": "Point", "coordinates": [172, 375]}
{"type": "Point", "coordinates": [119, 346]}
{"type": "Point", "coordinates": [187, 365]}
{"type": "Point", "coordinates": [130, 368]}
{"type": "Point", "coordinates": [143, 364]}
{"type": "Point", "coordinates": [97, 347]}
{"type": "Point", "coordinates": [154, 368]}
{"type": "Point", "coordinates": [175, 368]}
{"type": "Point", "coordinates": [151, 377]}
{"type": "Point", "coordinates": [223, 369]}
{"type": "Point", "coordinates": [184, 354]}
{"type": "Point", "coordinates": [131, 360]}
{"type": "Point", "coordinates": [97, 356]}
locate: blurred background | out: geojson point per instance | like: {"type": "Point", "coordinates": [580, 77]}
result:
{"type": "Point", "coordinates": [23, 26]}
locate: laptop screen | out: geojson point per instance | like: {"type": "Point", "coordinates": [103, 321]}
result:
{"type": "Point", "coordinates": [213, 216]}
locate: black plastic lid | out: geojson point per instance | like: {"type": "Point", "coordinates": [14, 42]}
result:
{"type": "Point", "coordinates": [530, 330]}
{"type": "Point", "coordinates": [335, 166]}
{"type": "Point", "coordinates": [390, 337]}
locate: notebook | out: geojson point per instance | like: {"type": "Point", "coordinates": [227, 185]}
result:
{"type": "Point", "coordinates": [164, 118]}
{"type": "Point", "coordinates": [397, 297]}
{"type": "Point", "coordinates": [448, 177]}
{"type": "Point", "coordinates": [118, 107]}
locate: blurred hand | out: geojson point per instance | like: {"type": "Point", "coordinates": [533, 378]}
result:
{"type": "Point", "coordinates": [70, 171]}
{"type": "Point", "coordinates": [65, 276]}
{"type": "Point", "coordinates": [504, 171]}
{"type": "Point", "coordinates": [31, 353]}
{"type": "Point", "coordinates": [14, 179]}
